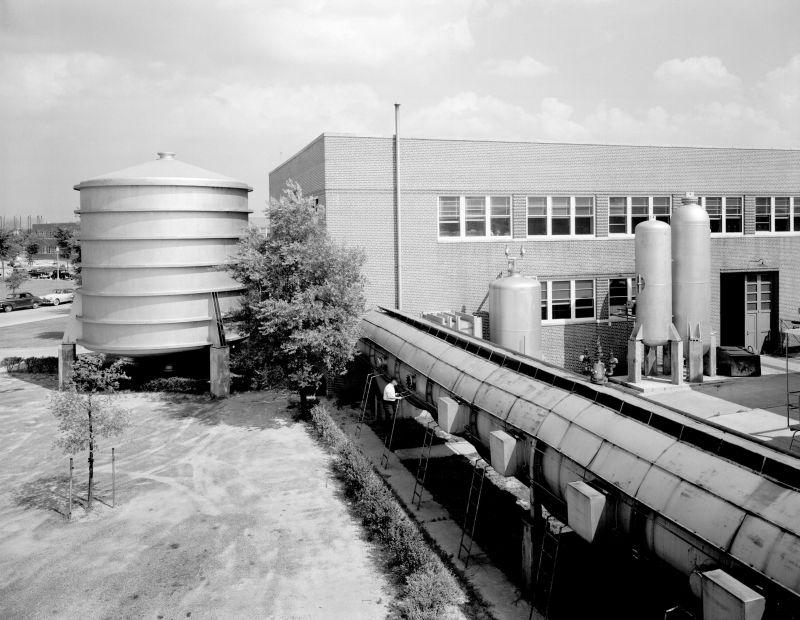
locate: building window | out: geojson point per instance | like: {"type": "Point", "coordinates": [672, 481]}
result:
{"type": "Point", "coordinates": [560, 215]}
{"type": "Point", "coordinates": [724, 213]}
{"type": "Point", "coordinates": [449, 216]}
{"type": "Point", "coordinates": [468, 216]}
{"type": "Point", "coordinates": [625, 212]}
{"type": "Point", "coordinates": [777, 214]}
{"type": "Point", "coordinates": [475, 216]}
{"type": "Point", "coordinates": [568, 299]}
{"type": "Point", "coordinates": [621, 296]}
{"type": "Point", "coordinates": [501, 216]}
{"type": "Point", "coordinates": [537, 215]}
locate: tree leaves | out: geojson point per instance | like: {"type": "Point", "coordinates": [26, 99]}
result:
{"type": "Point", "coordinates": [304, 295]}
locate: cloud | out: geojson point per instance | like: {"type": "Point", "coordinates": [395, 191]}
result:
{"type": "Point", "coordinates": [781, 89]}
{"type": "Point", "coordinates": [525, 67]}
{"type": "Point", "coordinates": [705, 72]}
{"type": "Point", "coordinates": [43, 80]}
{"type": "Point", "coordinates": [470, 116]}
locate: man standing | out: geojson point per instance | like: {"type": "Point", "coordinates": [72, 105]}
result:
{"type": "Point", "coordinates": [390, 399]}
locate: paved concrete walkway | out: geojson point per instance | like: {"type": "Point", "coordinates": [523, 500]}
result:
{"type": "Point", "coordinates": [504, 599]}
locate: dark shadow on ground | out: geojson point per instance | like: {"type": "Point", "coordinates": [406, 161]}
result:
{"type": "Point", "coordinates": [213, 412]}
{"type": "Point", "coordinates": [47, 493]}
{"type": "Point", "coordinates": [46, 381]}
{"type": "Point", "coordinates": [765, 392]}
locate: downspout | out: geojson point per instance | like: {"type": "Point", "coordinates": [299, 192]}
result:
{"type": "Point", "coordinates": [397, 246]}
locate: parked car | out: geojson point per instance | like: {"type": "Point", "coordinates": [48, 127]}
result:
{"type": "Point", "coordinates": [17, 301]}
{"type": "Point", "coordinates": [59, 296]}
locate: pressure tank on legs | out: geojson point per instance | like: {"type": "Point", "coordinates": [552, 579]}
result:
{"type": "Point", "coordinates": [691, 270]}
{"type": "Point", "coordinates": [654, 275]}
{"type": "Point", "coordinates": [515, 312]}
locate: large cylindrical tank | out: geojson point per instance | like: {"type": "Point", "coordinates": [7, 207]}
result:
{"type": "Point", "coordinates": [691, 271]}
{"type": "Point", "coordinates": [515, 313]}
{"type": "Point", "coordinates": [654, 276]}
{"type": "Point", "coordinates": [153, 240]}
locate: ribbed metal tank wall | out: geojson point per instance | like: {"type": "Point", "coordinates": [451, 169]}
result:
{"type": "Point", "coordinates": [691, 270]}
{"type": "Point", "coordinates": [153, 239]}
{"type": "Point", "coordinates": [654, 271]}
{"type": "Point", "coordinates": [515, 313]}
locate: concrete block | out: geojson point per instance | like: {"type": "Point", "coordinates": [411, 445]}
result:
{"type": "Point", "coordinates": [725, 598]}
{"type": "Point", "coordinates": [220, 371]}
{"type": "Point", "coordinates": [505, 452]}
{"type": "Point", "coordinates": [450, 416]}
{"type": "Point", "coordinates": [585, 507]}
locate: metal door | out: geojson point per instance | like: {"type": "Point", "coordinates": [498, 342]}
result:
{"type": "Point", "coordinates": [758, 310]}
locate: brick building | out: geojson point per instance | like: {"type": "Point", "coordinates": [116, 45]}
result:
{"type": "Point", "coordinates": [573, 207]}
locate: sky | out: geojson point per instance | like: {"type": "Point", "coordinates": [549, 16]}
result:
{"type": "Point", "coordinates": [88, 87]}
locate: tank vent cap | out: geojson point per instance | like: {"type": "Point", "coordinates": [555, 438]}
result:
{"type": "Point", "coordinates": [166, 155]}
{"type": "Point", "coordinates": [689, 199]}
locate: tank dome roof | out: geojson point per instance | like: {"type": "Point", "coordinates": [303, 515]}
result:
{"type": "Point", "coordinates": [166, 170]}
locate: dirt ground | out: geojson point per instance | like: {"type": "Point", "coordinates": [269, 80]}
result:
{"type": "Point", "coordinates": [224, 509]}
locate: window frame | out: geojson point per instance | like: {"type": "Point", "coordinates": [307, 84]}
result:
{"type": "Point", "coordinates": [724, 213]}
{"type": "Point", "coordinates": [792, 214]}
{"type": "Point", "coordinates": [490, 203]}
{"type": "Point", "coordinates": [651, 206]}
{"type": "Point", "coordinates": [551, 216]}
{"type": "Point", "coordinates": [573, 304]}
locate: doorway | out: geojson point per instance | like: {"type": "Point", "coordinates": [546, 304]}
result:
{"type": "Point", "coordinates": [748, 312]}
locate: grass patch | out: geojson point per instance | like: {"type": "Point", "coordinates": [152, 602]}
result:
{"type": "Point", "coordinates": [431, 591]}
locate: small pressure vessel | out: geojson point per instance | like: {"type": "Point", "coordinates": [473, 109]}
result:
{"type": "Point", "coordinates": [691, 271]}
{"type": "Point", "coordinates": [654, 276]}
{"type": "Point", "coordinates": [515, 313]}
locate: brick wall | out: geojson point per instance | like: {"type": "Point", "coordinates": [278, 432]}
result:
{"type": "Point", "coordinates": [438, 275]}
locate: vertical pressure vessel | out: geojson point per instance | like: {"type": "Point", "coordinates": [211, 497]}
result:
{"type": "Point", "coordinates": [654, 275]}
{"type": "Point", "coordinates": [154, 239]}
{"type": "Point", "coordinates": [515, 313]}
{"type": "Point", "coordinates": [691, 270]}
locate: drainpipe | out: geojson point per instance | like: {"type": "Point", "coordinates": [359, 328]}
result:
{"type": "Point", "coordinates": [397, 247]}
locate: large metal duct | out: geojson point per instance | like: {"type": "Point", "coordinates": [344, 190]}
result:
{"type": "Point", "coordinates": [693, 494]}
{"type": "Point", "coordinates": [154, 238]}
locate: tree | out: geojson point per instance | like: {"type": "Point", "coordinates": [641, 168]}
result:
{"type": "Point", "coordinates": [9, 247]}
{"type": "Point", "coordinates": [69, 246]}
{"type": "Point", "coordinates": [31, 247]}
{"type": "Point", "coordinates": [15, 280]}
{"type": "Point", "coordinates": [86, 410]}
{"type": "Point", "coordinates": [304, 297]}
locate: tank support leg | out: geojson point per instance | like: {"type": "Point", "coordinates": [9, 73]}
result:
{"type": "Point", "coordinates": [695, 356]}
{"type": "Point", "coordinates": [635, 355]}
{"type": "Point", "coordinates": [220, 371]}
{"type": "Point", "coordinates": [66, 361]}
{"type": "Point", "coordinates": [675, 356]}
{"type": "Point", "coordinates": [710, 358]}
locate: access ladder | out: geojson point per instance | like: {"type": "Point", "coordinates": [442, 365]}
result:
{"type": "Point", "coordinates": [546, 572]}
{"type": "Point", "coordinates": [364, 402]}
{"type": "Point", "coordinates": [473, 504]}
{"type": "Point", "coordinates": [422, 467]}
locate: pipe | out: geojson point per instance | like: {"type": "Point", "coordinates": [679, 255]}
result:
{"type": "Point", "coordinates": [397, 236]}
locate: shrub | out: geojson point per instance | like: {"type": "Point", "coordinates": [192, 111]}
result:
{"type": "Point", "coordinates": [12, 364]}
{"type": "Point", "coordinates": [183, 385]}
{"type": "Point", "coordinates": [431, 591]}
{"type": "Point", "coordinates": [42, 365]}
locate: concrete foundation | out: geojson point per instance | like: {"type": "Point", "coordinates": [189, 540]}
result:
{"type": "Point", "coordinates": [450, 417]}
{"type": "Point", "coordinates": [505, 453]}
{"type": "Point", "coordinates": [725, 598]}
{"type": "Point", "coordinates": [642, 359]}
{"type": "Point", "coordinates": [220, 371]}
{"type": "Point", "coordinates": [585, 507]}
{"type": "Point", "coordinates": [66, 362]}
